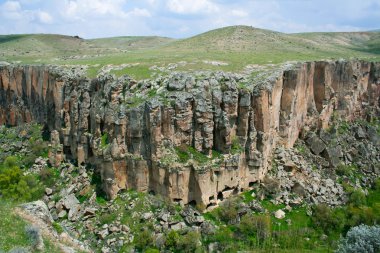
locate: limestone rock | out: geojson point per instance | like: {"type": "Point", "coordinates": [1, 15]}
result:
{"type": "Point", "coordinates": [279, 214]}
{"type": "Point", "coordinates": [316, 144]}
{"type": "Point", "coordinates": [39, 210]}
{"type": "Point", "coordinates": [70, 202]}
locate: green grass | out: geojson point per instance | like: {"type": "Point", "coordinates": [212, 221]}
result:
{"type": "Point", "coordinates": [185, 153]}
{"type": "Point", "coordinates": [238, 46]}
{"type": "Point", "coordinates": [12, 228]}
{"type": "Point", "coordinates": [136, 72]}
{"type": "Point", "coordinates": [13, 234]}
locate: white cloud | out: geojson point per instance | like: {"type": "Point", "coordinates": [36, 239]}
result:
{"type": "Point", "coordinates": [139, 12]}
{"type": "Point", "coordinates": [182, 18]}
{"type": "Point", "coordinates": [191, 6]}
{"type": "Point", "coordinates": [11, 10]}
{"type": "Point", "coordinates": [44, 17]}
{"type": "Point", "coordinates": [11, 6]}
{"type": "Point", "coordinates": [77, 9]}
{"type": "Point", "coordinates": [239, 13]}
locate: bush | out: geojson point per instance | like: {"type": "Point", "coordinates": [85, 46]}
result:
{"type": "Point", "coordinates": [361, 239]}
{"type": "Point", "coordinates": [361, 215]}
{"type": "Point", "coordinates": [104, 141]}
{"type": "Point", "coordinates": [357, 198]}
{"type": "Point", "coordinates": [225, 239]}
{"type": "Point", "coordinates": [107, 218]}
{"type": "Point", "coordinates": [143, 240]}
{"type": "Point", "coordinates": [259, 226]}
{"type": "Point", "coordinates": [188, 242]}
{"type": "Point", "coordinates": [172, 239]}
{"type": "Point", "coordinates": [328, 220]}
{"type": "Point", "coordinates": [228, 211]}
{"type": "Point", "coordinates": [345, 170]}
{"type": "Point", "coordinates": [10, 162]}
{"type": "Point", "coordinates": [15, 186]}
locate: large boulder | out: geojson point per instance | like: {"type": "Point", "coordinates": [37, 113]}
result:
{"type": "Point", "coordinates": [316, 144]}
{"type": "Point", "coordinates": [70, 202]}
{"type": "Point", "coordinates": [39, 210]}
{"type": "Point", "coordinates": [333, 155]}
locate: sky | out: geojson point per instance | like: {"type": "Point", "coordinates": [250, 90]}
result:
{"type": "Point", "coordinates": [183, 18]}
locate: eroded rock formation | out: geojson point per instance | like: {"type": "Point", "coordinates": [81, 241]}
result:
{"type": "Point", "coordinates": [135, 133]}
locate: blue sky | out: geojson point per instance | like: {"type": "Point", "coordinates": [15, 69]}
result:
{"type": "Point", "coordinates": [183, 18]}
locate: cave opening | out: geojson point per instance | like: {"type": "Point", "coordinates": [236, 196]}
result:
{"type": "Point", "coordinates": [220, 196]}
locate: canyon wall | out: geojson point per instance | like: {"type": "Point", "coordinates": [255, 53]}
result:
{"type": "Point", "coordinates": [136, 132]}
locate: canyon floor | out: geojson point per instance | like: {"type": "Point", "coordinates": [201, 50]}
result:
{"type": "Point", "coordinates": [191, 113]}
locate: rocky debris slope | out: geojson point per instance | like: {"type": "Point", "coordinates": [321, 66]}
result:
{"type": "Point", "coordinates": [195, 139]}
{"type": "Point", "coordinates": [75, 209]}
{"type": "Point", "coordinates": [325, 164]}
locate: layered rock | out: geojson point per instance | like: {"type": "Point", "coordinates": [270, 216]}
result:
{"type": "Point", "coordinates": [132, 131]}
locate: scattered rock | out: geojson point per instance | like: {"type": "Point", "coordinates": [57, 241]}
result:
{"type": "Point", "coordinates": [48, 191]}
{"type": "Point", "coordinates": [279, 214]}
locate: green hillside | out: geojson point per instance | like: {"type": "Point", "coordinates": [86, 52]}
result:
{"type": "Point", "coordinates": [231, 49]}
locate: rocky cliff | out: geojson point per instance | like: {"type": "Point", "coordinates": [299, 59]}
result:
{"type": "Point", "coordinates": [193, 138]}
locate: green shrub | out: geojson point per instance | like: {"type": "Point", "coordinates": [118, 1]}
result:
{"type": "Point", "coordinates": [361, 215]}
{"type": "Point", "coordinates": [228, 210]}
{"type": "Point", "coordinates": [357, 198]}
{"type": "Point", "coordinates": [328, 220]}
{"type": "Point", "coordinates": [236, 148]}
{"type": "Point", "coordinates": [104, 141]}
{"type": "Point", "coordinates": [182, 153]}
{"type": "Point", "coordinates": [345, 170]}
{"type": "Point", "coordinates": [49, 176]}
{"type": "Point", "coordinates": [12, 184]}
{"type": "Point", "coordinates": [143, 240]}
{"type": "Point", "coordinates": [107, 218]}
{"type": "Point", "coordinates": [225, 238]}
{"type": "Point", "coordinates": [57, 227]}
{"type": "Point", "coordinates": [172, 239]}
{"type": "Point", "coordinates": [189, 242]}
{"type": "Point", "coordinates": [259, 226]}
{"type": "Point", "coordinates": [10, 162]}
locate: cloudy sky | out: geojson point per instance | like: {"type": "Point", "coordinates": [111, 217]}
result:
{"type": "Point", "coordinates": [183, 18]}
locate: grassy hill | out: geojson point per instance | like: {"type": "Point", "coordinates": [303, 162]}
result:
{"type": "Point", "coordinates": [131, 42]}
{"type": "Point", "coordinates": [230, 49]}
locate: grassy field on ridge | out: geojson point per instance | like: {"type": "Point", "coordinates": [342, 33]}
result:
{"type": "Point", "coordinates": [229, 49]}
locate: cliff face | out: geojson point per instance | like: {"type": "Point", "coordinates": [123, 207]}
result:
{"type": "Point", "coordinates": [148, 135]}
